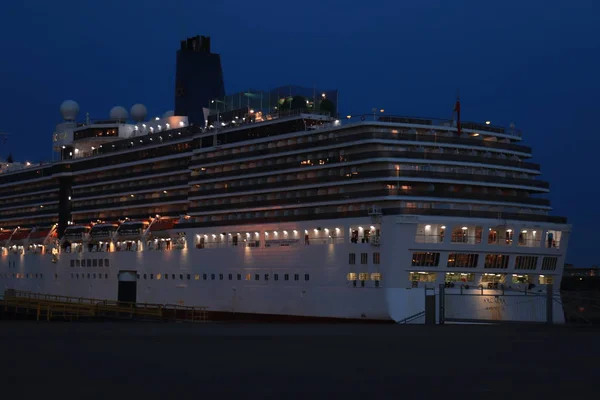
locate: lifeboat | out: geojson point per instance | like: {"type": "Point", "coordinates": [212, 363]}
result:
{"type": "Point", "coordinates": [4, 237]}
{"type": "Point", "coordinates": [19, 238]}
{"type": "Point", "coordinates": [131, 230]}
{"type": "Point", "coordinates": [162, 229]}
{"type": "Point", "coordinates": [77, 233]}
{"type": "Point", "coordinates": [102, 232]}
{"type": "Point", "coordinates": [39, 236]}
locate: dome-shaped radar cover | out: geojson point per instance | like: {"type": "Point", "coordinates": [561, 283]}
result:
{"type": "Point", "coordinates": [139, 112]}
{"type": "Point", "coordinates": [118, 113]}
{"type": "Point", "coordinates": [69, 110]}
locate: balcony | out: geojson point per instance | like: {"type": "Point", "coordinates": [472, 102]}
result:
{"type": "Point", "coordinates": [372, 133]}
{"type": "Point", "coordinates": [371, 175]}
{"type": "Point", "coordinates": [19, 201]}
{"type": "Point", "coordinates": [139, 186]}
{"type": "Point", "coordinates": [436, 193]}
{"type": "Point", "coordinates": [171, 170]}
{"type": "Point", "coordinates": [372, 156]}
{"type": "Point", "coordinates": [307, 213]}
{"type": "Point", "coordinates": [130, 203]}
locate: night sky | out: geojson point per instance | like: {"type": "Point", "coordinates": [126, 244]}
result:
{"type": "Point", "coordinates": [535, 63]}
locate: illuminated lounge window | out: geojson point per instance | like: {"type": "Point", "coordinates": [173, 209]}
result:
{"type": "Point", "coordinates": [422, 276]}
{"type": "Point", "coordinates": [500, 235]}
{"type": "Point", "coordinates": [462, 260]}
{"type": "Point", "coordinates": [460, 277]}
{"type": "Point", "coordinates": [529, 238]}
{"type": "Point", "coordinates": [430, 233]}
{"type": "Point", "coordinates": [499, 261]}
{"type": "Point", "coordinates": [425, 259]}
{"type": "Point", "coordinates": [466, 234]}
{"type": "Point", "coordinates": [493, 278]}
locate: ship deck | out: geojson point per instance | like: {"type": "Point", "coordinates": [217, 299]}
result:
{"type": "Point", "coordinates": [231, 360]}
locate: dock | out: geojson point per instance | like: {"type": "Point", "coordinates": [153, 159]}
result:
{"type": "Point", "coordinates": [17, 304]}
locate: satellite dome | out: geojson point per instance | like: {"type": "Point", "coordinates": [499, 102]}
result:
{"type": "Point", "coordinates": [139, 112]}
{"type": "Point", "coordinates": [69, 110]}
{"type": "Point", "coordinates": [118, 113]}
{"type": "Point", "coordinates": [168, 114]}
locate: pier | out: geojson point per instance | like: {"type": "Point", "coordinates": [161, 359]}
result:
{"type": "Point", "coordinates": [16, 304]}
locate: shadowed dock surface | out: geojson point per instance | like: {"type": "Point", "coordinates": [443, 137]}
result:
{"type": "Point", "coordinates": [100, 360]}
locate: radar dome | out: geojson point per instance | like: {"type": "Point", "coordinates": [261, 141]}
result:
{"type": "Point", "coordinates": [118, 113]}
{"type": "Point", "coordinates": [69, 110]}
{"type": "Point", "coordinates": [139, 112]}
{"type": "Point", "coordinates": [168, 114]}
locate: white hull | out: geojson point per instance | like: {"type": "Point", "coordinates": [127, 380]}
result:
{"type": "Point", "coordinates": [326, 293]}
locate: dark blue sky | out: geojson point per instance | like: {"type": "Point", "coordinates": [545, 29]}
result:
{"type": "Point", "coordinates": [534, 62]}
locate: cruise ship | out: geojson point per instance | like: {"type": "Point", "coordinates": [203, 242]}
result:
{"type": "Point", "coordinates": [272, 203]}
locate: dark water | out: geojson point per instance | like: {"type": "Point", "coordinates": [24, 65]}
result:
{"type": "Point", "coordinates": [96, 360]}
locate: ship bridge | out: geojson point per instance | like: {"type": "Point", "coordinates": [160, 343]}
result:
{"type": "Point", "coordinates": [75, 139]}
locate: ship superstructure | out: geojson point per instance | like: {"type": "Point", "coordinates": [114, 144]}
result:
{"type": "Point", "coordinates": [277, 205]}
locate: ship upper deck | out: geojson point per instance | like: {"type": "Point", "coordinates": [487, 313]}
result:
{"type": "Point", "coordinates": [194, 170]}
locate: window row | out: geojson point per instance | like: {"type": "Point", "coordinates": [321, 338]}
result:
{"type": "Point", "coordinates": [221, 277]}
{"type": "Point", "coordinates": [473, 207]}
{"type": "Point", "coordinates": [492, 261]}
{"type": "Point", "coordinates": [302, 158]}
{"type": "Point", "coordinates": [27, 275]}
{"type": "Point", "coordinates": [89, 276]}
{"type": "Point", "coordinates": [501, 235]}
{"type": "Point", "coordinates": [252, 182]}
{"type": "Point", "coordinates": [364, 258]}
{"type": "Point", "coordinates": [362, 278]}
{"type": "Point", "coordinates": [91, 262]}
{"type": "Point", "coordinates": [131, 185]}
{"type": "Point", "coordinates": [489, 281]}
{"type": "Point", "coordinates": [20, 275]}
{"type": "Point", "coordinates": [131, 198]}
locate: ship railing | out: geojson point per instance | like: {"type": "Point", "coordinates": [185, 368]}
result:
{"type": "Point", "coordinates": [50, 305]}
{"type": "Point", "coordinates": [282, 243]}
{"type": "Point", "coordinates": [529, 243]}
{"type": "Point", "coordinates": [429, 239]}
{"type": "Point", "coordinates": [466, 239]}
{"type": "Point", "coordinates": [226, 123]}
{"type": "Point", "coordinates": [475, 127]}
{"type": "Point", "coordinates": [411, 318]}
{"type": "Point", "coordinates": [331, 240]}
